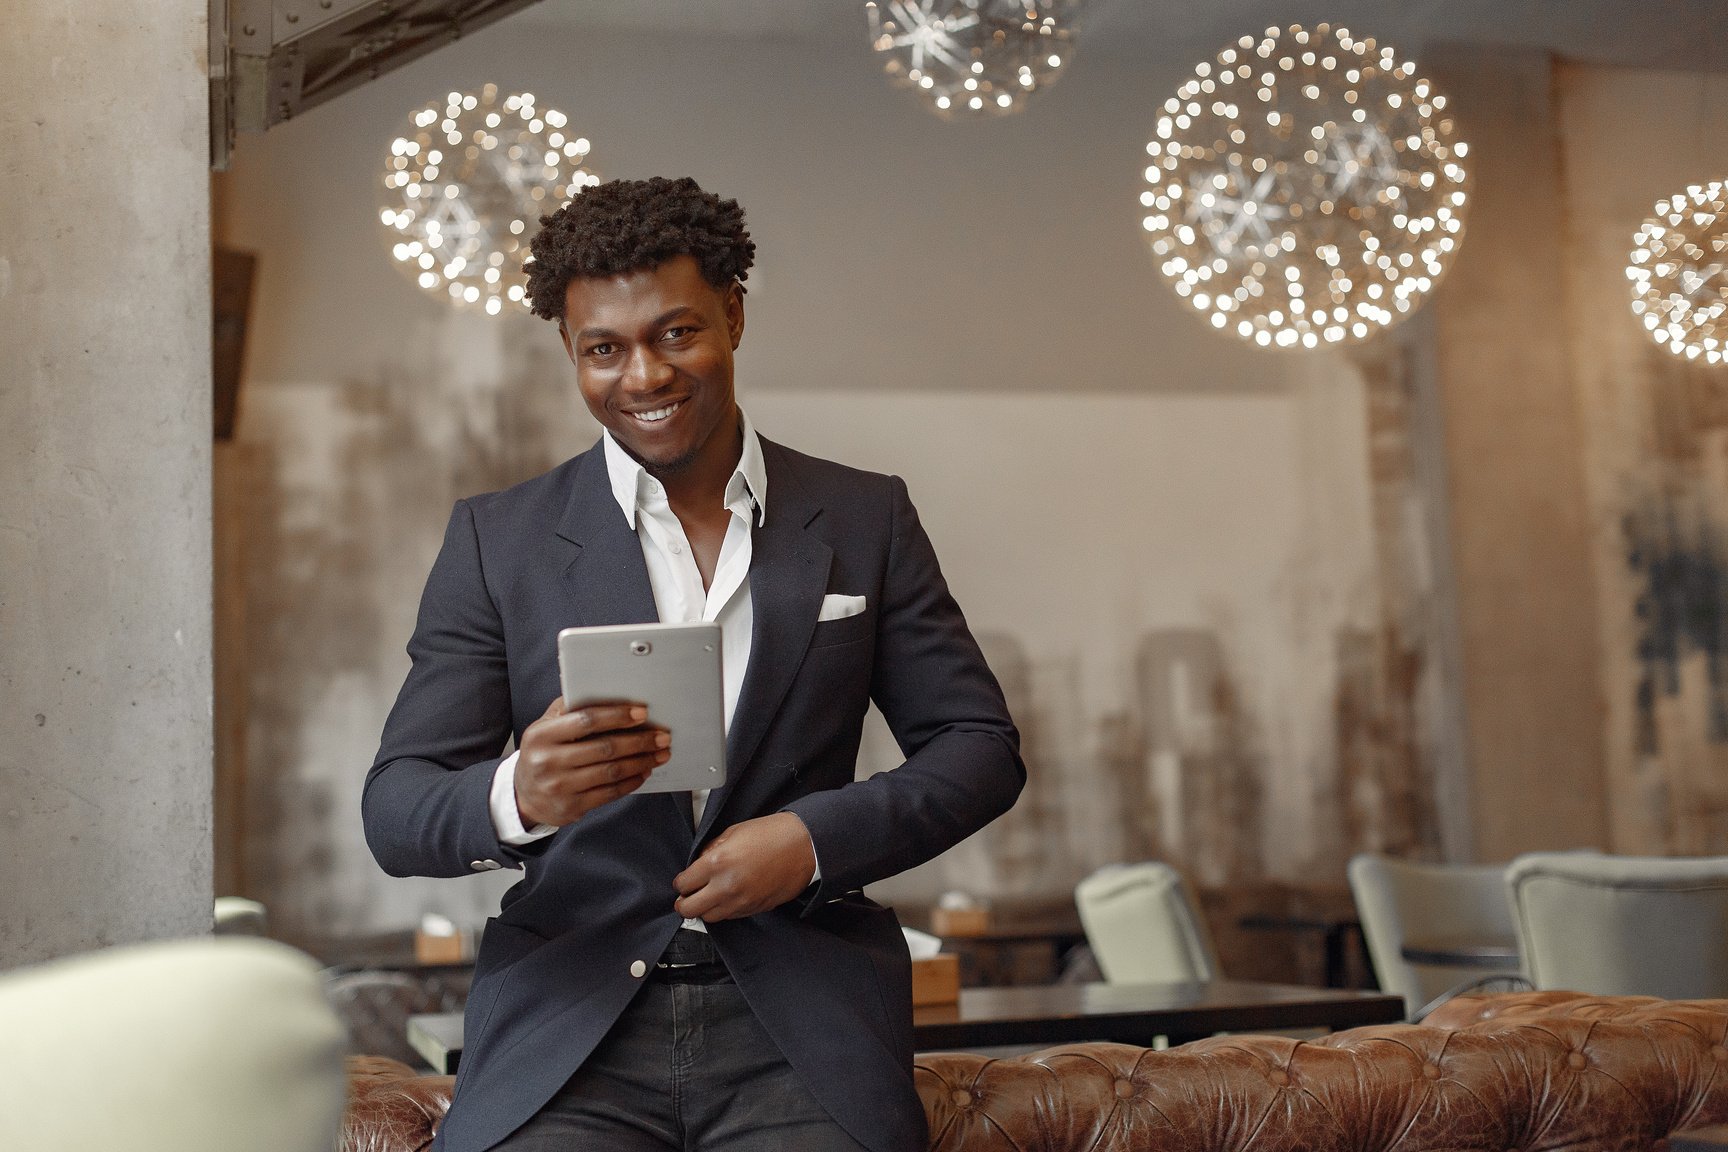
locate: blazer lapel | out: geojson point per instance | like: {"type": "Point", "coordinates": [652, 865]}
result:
{"type": "Point", "coordinates": [788, 577]}
{"type": "Point", "coordinates": [607, 579]}
{"type": "Point", "coordinates": [607, 583]}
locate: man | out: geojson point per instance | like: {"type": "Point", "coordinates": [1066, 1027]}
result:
{"type": "Point", "coordinates": [674, 971]}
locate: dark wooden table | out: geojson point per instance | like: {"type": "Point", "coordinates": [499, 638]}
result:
{"type": "Point", "coordinates": [1071, 1013]}
{"type": "Point", "coordinates": [1463, 952]}
{"type": "Point", "coordinates": [1140, 1013]}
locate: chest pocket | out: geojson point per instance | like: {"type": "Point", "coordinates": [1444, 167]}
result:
{"type": "Point", "coordinates": [844, 631]}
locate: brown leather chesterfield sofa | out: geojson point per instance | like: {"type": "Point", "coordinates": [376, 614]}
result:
{"type": "Point", "coordinates": [1528, 1072]}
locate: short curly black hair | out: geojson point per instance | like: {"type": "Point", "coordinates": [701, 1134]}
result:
{"type": "Point", "coordinates": [624, 225]}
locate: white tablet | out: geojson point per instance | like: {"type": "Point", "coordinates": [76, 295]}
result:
{"type": "Point", "coordinates": [672, 668]}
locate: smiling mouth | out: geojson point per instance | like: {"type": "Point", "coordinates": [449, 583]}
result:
{"type": "Point", "coordinates": [656, 415]}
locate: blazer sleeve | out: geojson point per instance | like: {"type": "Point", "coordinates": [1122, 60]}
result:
{"type": "Point", "coordinates": [946, 710]}
{"type": "Point", "coordinates": [426, 801]}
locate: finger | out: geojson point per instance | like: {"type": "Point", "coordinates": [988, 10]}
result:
{"type": "Point", "coordinates": [693, 878]}
{"type": "Point", "coordinates": [573, 806]}
{"type": "Point", "coordinates": [599, 777]}
{"type": "Point", "coordinates": [703, 904]}
{"type": "Point", "coordinates": [595, 785]}
{"type": "Point", "coordinates": [581, 789]}
{"type": "Point", "coordinates": [588, 719]}
{"type": "Point", "coordinates": [556, 708]}
{"type": "Point", "coordinates": [600, 797]}
{"type": "Point", "coordinates": [600, 749]}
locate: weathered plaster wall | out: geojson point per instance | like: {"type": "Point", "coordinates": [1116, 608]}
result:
{"type": "Point", "coordinates": [1656, 443]}
{"type": "Point", "coordinates": [1084, 616]}
{"type": "Point", "coordinates": [1166, 539]}
{"type": "Point", "coordinates": [105, 416]}
{"type": "Point", "coordinates": [1160, 566]}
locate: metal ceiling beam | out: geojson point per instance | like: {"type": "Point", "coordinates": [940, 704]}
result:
{"type": "Point", "coordinates": [272, 59]}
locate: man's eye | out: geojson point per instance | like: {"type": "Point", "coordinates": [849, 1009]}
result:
{"type": "Point", "coordinates": [602, 350]}
{"type": "Point", "coordinates": [678, 333]}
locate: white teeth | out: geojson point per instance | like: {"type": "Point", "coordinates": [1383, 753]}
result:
{"type": "Point", "coordinates": [658, 414]}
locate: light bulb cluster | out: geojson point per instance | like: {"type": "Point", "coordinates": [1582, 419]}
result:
{"type": "Point", "coordinates": [971, 58]}
{"type": "Point", "coordinates": [464, 185]}
{"type": "Point", "coordinates": [1305, 188]}
{"type": "Point", "coordinates": [1679, 273]}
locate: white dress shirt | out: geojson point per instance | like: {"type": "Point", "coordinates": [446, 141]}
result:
{"type": "Point", "coordinates": [678, 592]}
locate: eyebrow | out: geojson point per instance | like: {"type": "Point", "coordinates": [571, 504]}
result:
{"type": "Point", "coordinates": [658, 322]}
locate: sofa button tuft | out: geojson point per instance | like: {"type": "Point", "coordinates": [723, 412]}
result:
{"type": "Point", "coordinates": [1576, 1060]}
{"type": "Point", "coordinates": [962, 1098]}
{"type": "Point", "coordinates": [1432, 1071]}
{"type": "Point", "coordinates": [1718, 1053]}
{"type": "Point", "coordinates": [1279, 1078]}
{"type": "Point", "coordinates": [1124, 1089]}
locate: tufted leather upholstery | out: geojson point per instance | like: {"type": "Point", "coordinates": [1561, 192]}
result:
{"type": "Point", "coordinates": [1468, 1011]}
{"type": "Point", "coordinates": [1533, 1072]}
{"type": "Point", "coordinates": [391, 1108]}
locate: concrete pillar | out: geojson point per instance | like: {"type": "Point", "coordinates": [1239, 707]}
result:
{"type": "Point", "coordinates": [105, 419]}
{"type": "Point", "coordinates": [1514, 437]}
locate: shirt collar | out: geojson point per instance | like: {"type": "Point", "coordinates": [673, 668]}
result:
{"type": "Point", "coordinates": [746, 490]}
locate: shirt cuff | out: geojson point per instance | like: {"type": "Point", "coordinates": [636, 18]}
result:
{"type": "Point", "coordinates": [506, 818]}
{"type": "Point", "coordinates": [814, 855]}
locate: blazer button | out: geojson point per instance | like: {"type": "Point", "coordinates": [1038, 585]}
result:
{"type": "Point", "coordinates": [638, 968]}
{"type": "Point", "coordinates": [484, 865]}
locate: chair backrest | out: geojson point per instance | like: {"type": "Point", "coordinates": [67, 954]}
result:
{"type": "Point", "coordinates": [1623, 925]}
{"type": "Point", "coordinates": [238, 916]}
{"type": "Point", "coordinates": [191, 1046]}
{"type": "Point", "coordinates": [1399, 901]}
{"type": "Point", "coordinates": [1144, 925]}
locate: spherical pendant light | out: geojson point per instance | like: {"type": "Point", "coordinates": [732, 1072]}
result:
{"type": "Point", "coordinates": [1679, 273]}
{"type": "Point", "coordinates": [970, 58]}
{"type": "Point", "coordinates": [464, 186]}
{"type": "Point", "coordinates": [1305, 188]}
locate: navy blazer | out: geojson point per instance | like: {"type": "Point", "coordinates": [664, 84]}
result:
{"type": "Point", "coordinates": [827, 975]}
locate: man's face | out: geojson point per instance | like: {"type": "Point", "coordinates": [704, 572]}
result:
{"type": "Point", "coordinates": [653, 354]}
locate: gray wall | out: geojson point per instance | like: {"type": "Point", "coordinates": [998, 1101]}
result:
{"type": "Point", "coordinates": [104, 477]}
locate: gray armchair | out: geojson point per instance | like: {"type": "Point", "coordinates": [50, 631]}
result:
{"type": "Point", "coordinates": [1144, 925]}
{"type": "Point", "coordinates": [192, 1046]}
{"type": "Point", "coordinates": [1400, 901]}
{"type": "Point", "coordinates": [1623, 925]}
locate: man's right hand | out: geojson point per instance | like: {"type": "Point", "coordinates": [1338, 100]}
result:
{"type": "Point", "coordinates": [572, 762]}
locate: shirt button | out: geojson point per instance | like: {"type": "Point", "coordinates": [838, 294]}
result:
{"type": "Point", "coordinates": [677, 549]}
{"type": "Point", "coordinates": [638, 969]}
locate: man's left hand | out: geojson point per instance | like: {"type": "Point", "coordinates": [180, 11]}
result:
{"type": "Point", "coordinates": [749, 868]}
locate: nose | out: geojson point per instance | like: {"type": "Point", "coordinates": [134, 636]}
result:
{"type": "Point", "coordinates": [646, 370]}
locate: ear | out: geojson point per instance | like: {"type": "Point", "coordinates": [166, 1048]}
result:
{"type": "Point", "coordinates": [564, 335]}
{"type": "Point", "coordinates": [735, 313]}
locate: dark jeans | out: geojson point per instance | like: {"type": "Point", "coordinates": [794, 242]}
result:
{"type": "Point", "coordinates": [686, 1069]}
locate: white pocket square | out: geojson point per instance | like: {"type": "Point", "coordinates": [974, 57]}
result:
{"type": "Point", "coordinates": [836, 607]}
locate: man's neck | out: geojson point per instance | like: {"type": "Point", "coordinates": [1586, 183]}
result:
{"type": "Point", "coordinates": [699, 488]}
